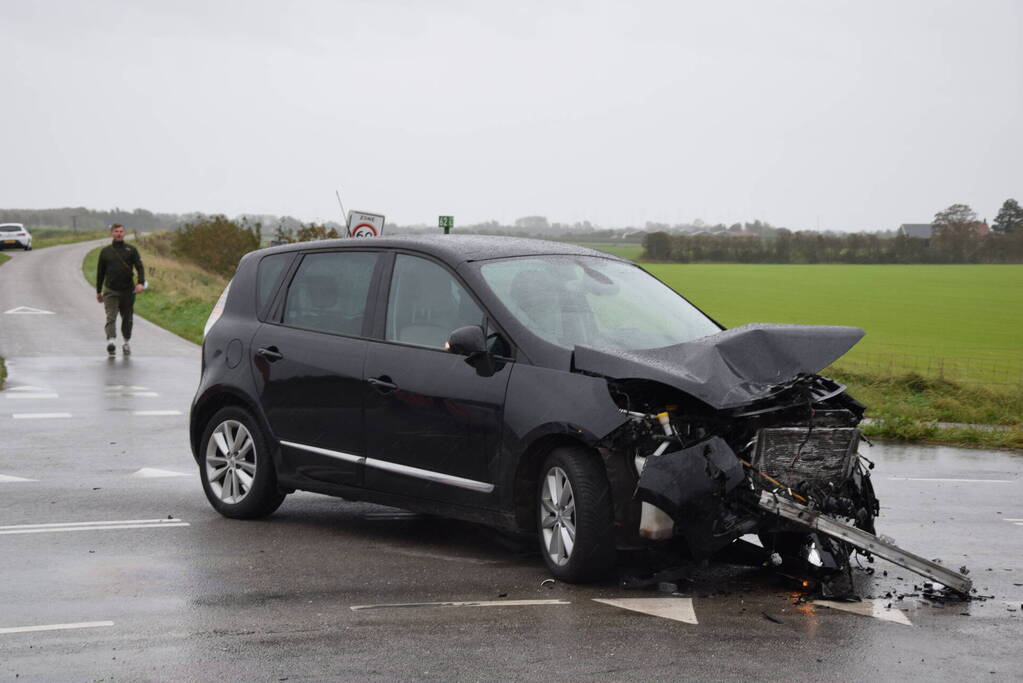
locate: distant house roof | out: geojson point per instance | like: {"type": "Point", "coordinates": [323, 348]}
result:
{"type": "Point", "coordinates": [981, 228]}
{"type": "Point", "coordinates": [919, 230]}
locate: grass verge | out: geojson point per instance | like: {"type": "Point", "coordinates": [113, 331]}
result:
{"type": "Point", "coordinates": [180, 295]}
{"type": "Point", "coordinates": [912, 408]}
{"type": "Point", "coordinates": [3, 373]}
{"type": "Point", "coordinates": [4, 257]}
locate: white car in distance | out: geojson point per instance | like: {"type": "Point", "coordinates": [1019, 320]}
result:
{"type": "Point", "coordinates": [15, 235]}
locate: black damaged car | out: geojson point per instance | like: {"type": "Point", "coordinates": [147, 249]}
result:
{"type": "Point", "coordinates": [525, 384]}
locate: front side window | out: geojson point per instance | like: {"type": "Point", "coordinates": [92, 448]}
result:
{"type": "Point", "coordinates": [329, 292]}
{"type": "Point", "coordinates": [426, 303]}
{"type": "Point", "coordinates": [589, 301]}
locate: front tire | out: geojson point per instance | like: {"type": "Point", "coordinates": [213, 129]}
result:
{"type": "Point", "coordinates": [574, 516]}
{"type": "Point", "coordinates": [235, 466]}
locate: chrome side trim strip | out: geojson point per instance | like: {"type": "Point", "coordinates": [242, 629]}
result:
{"type": "Point", "coordinates": [347, 457]}
{"type": "Point", "coordinates": [430, 475]}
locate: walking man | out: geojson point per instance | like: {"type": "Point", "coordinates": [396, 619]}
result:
{"type": "Point", "coordinates": [118, 295]}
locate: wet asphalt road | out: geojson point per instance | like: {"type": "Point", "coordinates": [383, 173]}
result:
{"type": "Point", "coordinates": [157, 586]}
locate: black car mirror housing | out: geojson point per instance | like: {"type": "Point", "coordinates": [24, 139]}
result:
{"type": "Point", "coordinates": [471, 342]}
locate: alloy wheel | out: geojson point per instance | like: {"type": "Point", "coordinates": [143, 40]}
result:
{"type": "Point", "coordinates": [230, 461]}
{"type": "Point", "coordinates": [557, 516]}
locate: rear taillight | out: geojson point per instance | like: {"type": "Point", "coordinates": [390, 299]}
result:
{"type": "Point", "coordinates": [218, 310]}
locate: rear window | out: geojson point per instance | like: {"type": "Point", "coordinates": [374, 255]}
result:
{"type": "Point", "coordinates": [10, 228]}
{"type": "Point", "coordinates": [271, 270]}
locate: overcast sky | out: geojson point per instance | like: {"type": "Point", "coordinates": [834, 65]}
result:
{"type": "Point", "coordinates": [843, 115]}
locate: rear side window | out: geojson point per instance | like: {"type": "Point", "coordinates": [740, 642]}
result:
{"type": "Point", "coordinates": [426, 304]}
{"type": "Point", "coordinates": [329, 292]}
{"type": "Point", "coordinates": [271, 269]}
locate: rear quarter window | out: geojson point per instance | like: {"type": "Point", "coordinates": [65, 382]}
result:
{"type": "Point", "coordinates": [271, 270]}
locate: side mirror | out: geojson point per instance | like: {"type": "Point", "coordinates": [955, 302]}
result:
{"type": "Point", "coordinates": [470, 342]}
{"type": "Point", "coordinates": [467, 341]}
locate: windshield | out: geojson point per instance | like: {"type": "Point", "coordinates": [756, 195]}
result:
{"type": "Point", "coordinates": [570, 300]}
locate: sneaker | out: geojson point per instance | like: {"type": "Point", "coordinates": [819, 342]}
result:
{"type": "Point", "coordinates": [126, 349]}
{"type": "Point", "coordinates": [110, 347]}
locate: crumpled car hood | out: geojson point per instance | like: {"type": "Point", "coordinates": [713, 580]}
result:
{"type": "Point", "coordinates": [731, 368]}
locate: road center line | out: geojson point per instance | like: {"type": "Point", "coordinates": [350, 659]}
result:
{"type": "Point", "coordinates": [56, 627]}
{"type": "Point", "coordinates": [478, 603]}
{"type": "Point", "coordinates": [143, 413]}
{"type": "Point", "coordinates": [960, 481]}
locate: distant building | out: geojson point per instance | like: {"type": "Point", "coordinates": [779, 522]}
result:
{"type": "Point", "coordinates": [918, 230]}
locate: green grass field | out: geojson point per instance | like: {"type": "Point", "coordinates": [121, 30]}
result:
{"type": "Point", "coordinates": [629, 250]}
{"type": "Point", "coordinates": [959, 322]}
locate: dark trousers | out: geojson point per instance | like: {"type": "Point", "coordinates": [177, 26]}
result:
{"type": "Point", "coordinates": [118, 302]}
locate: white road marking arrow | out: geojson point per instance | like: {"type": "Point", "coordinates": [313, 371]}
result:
{"type": "Point", "coordinates": [153, 473]}
{"type": "Point", "coordinates": [869, 608]}
{"type": "Point", "coordinates": [676, 609]}
{"type": "Point", "coordinates": [28, 310]}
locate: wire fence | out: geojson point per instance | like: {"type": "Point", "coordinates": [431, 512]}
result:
{"type": "Point", "coordinates": [988, 366]}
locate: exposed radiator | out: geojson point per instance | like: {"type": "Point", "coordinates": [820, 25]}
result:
{"type": "Point", "coordinates": [828, 453]}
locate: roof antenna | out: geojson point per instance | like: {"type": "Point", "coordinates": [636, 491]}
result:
{"type": "Point", "coordinates": [344, 214]}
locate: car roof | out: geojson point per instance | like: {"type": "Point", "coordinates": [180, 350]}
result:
{"type": "Point", "coordinates": [456, 249]}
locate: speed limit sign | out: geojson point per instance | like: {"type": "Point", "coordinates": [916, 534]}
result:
{"type": "Point", "coordinates": [362, 224]}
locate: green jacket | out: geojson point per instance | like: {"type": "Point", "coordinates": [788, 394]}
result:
{"type": "Point", "coordinates": [115, 264]}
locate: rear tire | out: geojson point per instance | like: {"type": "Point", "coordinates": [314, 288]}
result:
{"type": "Point", "coordinates": [235, 466]}
{"type": "Point", "coordinates": [574, 516]}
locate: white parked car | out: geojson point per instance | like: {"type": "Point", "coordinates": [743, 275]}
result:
{"type": "Point", "coordinates": [15, 235]}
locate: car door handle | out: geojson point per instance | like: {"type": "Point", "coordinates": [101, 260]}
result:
{"type": "Point", "coordinates": [271, 353]}
{"type": "Point", "coordinates": [383, 384]}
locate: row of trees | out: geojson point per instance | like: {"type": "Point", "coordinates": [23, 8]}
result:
{"type": "Point", "coordinates": [957, 237]}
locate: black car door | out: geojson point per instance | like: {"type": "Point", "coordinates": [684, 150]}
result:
{"type": "Point", "coordinates": [308, 367]}
{"type": "Point", "coordinates": [433, 425]}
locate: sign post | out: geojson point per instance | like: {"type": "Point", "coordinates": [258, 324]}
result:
{"type": "Point", "coordinates": [446, 222]}
{"type": "Point", "coordinates": [362, 224]}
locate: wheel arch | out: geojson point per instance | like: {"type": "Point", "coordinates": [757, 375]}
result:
{"type": "Point", "coordinates": [208, 405]}
{"type": "Point", "coordinates": [527, 474]}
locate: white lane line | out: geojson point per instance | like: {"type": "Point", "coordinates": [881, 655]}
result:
{"type": "Point", "coordinates": [155, 413]}
{"type": "Point", "coordinates": [1013, 520]}
{"type": "Point", "coordinates": [132, 394]}
{"type": "Point", "coordinates": [29, 388]}
{"type": "Point", "coordinates": [877, 609]}
{"type": "Point", "coordinates": [962, 481]}
{"type": "Point", "coordinates": [161, 520]}
{"type": "Point", "coordinates": [91, 526]}
{"type": "Point", "coordinates": [26, 395]}
{"type": "Point", "coordinates": [7, 479]}
{"type": "Point", "coordinates": [676, 609]}
{"type": "Point", "coordinates": [56, 627]}
{"type": "Point", "coordinates": [476, 603]}
{"type": "Point", "coordinates": [39, 416]}
{"type": "Point", "coordinates": [1018, 523]}
{"type": "Point", "coordinates": [153, 473]}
